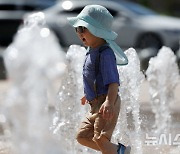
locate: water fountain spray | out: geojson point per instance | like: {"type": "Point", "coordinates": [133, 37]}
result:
{"type": "Point", "coordinates": [34, 62]}
{"type": "Point", "coordinates": [163, 77]}
{"type": "Point", "coordinates": [69, 111]}
{"type": "Point", "coordinates": [131, 78]}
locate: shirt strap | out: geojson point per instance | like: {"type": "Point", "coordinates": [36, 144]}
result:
{"type": "Point", "coordinates": [97, 62]}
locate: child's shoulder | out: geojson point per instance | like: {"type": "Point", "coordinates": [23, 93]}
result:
{"type": "Point", "coordinates": [106, 50]}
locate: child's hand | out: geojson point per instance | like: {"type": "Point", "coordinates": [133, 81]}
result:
{"type": "Point", "coordinates": [107, 110]}
{"type": "Point", "coordinates": [83, 100]}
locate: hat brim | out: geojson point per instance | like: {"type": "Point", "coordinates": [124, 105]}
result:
{"type": "Point", "coordinates": [98, 32]}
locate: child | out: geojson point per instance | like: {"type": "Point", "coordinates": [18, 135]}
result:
{"type": "Point", "coordinates": [100, 78]}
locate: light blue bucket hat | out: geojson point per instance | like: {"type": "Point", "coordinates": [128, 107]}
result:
{"type": "Point", "coordinates": [98, 21]}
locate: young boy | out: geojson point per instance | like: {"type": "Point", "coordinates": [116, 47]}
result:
{"type": "Point", "coordinates": [100, 79]}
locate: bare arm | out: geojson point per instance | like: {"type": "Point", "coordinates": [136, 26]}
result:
{"type": "Point", "coordinates": [107, 108]}
{"type": "Point", "coordinates": [112, 92]}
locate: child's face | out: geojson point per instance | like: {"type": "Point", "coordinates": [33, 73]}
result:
{"type": "Point", "coordinates": [87, 38]}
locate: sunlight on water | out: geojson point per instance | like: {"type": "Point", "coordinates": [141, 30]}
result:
{"type": "Point", "coordinates": [34, 62]}
{"type": "Point", "coordinates": [163, 77]}
{"type": "Point", "coordinates": [69, 111]}
{"type": "Point", "coordinates": [42, 76]}
{"type": "Point", "coordinates": [131, 78]}
{"type": "Point", "coordinates": [65, 123]}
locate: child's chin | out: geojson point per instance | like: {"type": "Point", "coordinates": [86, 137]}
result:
{"type": "Point", "coordinates": [85, 44]}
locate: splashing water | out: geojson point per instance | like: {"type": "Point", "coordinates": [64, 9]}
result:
{"type": "Point", "coordinates": [34, 62]}
{"type": "Point", "coordinates": [163, 77]}
{"type": "Point", "coordinates": [131, 78]}
{"type": "Point", "coordinates": [69, 111]}
{"type": "Point", "coordinates": [32, 69]}
{"type": "Point", "coordinates": [71, 92]}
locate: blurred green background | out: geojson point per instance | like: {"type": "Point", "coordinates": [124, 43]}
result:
{"type": "Point", "coordinates": [167, 7]}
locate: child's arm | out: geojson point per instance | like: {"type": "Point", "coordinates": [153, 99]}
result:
{"type": "Point", "coordinates": [83, 100]}
{"type": "Point", "coordinates": [107, 108]}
